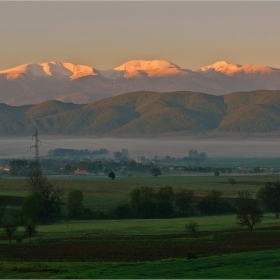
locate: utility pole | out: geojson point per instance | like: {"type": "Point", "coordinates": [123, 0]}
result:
{"type": "Point", "coordinates": [36, 146]}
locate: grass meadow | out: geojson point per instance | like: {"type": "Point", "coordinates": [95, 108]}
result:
{"type": "Point", "coordinates": [143, 248]}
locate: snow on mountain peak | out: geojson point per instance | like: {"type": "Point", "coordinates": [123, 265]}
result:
{"type": "Point", "coordinates": [54, 69]}
{"type": "Point", "coordinates": [152, 68]}
{"type": "Point", "coordinates": [220, 66]}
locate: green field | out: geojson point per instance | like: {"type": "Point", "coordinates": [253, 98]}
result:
{"type": "Point", "coordinates": [101, 193]}
{"type": "Point", "coordinates": [143, 248]}
{"type": "Point", "coordinates": [249, 265]}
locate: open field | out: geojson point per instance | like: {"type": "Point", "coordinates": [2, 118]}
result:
{"type": "Point", "coordinates": [143, 248]}
{"type": "Point", "coordinates": [248, 265]}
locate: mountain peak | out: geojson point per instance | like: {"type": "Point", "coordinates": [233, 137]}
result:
{"type": "Point", "coordinates": [220, 66]}
{"type": "Point", "coordinates": [151, 67]}
{"type": "Point", "coordinates": [52, 69]}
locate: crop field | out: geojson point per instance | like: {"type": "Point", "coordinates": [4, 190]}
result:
{"type": "Point", "coordinates": [142, 248]}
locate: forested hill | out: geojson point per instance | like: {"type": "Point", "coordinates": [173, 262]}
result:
{"type": "Point", "coordinates": [148, 113]}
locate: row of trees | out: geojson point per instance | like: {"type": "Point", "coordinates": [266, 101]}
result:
{"type": "Point", "coordinates": [145, 202]}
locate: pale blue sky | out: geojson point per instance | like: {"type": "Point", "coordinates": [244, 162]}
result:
{"type": "Point", "coordinates": [104, 35]}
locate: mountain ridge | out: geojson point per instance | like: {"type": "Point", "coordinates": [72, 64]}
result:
{"type": "Point", "coordinates": [149, 113]}
{"type": "Point", "coordinates": [68, 82]}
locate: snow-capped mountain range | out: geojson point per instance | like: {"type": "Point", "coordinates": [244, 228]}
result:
{"type": "Point", "coordinates": [67, 82]}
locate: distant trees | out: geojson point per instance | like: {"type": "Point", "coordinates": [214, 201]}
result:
{"type": "Point", "coordinates": [248, 211]}
{"type": "Point", "coordinates": [74, 203]}
{"type": "Point", "coordinates": [195, 155]}
{"type": "Point", "coordinates": [270, 196]}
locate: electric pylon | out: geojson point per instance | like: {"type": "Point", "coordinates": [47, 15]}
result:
{"type": "Point", "coordinates": [36, 146]}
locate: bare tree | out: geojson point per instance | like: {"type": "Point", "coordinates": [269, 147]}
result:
{"type": "Point", "coordinates": [248, 211]}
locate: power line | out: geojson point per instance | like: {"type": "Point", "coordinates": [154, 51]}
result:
{"type": "Point", "coordinates": [36, 146]}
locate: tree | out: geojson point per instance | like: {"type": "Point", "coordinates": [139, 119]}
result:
{"type": "Point", "coordinates": [32, 208]}
{"type": "Point", "coordinates": [192, 227]}
{"type": "Point", "coordinates": [155, 171]}
{"type": "Point", "coordinates": [67, 169]}
{"type": "Point", "coordinates": [30, 228]}
{"type": "Point", "coordinates": [216, 173]}
{"type": "Point", "coordinates": [143, 202]}
{"type": "Point", "coordinates": [50, 196]}
{"type": "Point", "coordinates": [270, 196]}
{"type": "Point", "coordinates": [75, 203]}
{"type": "Point", "coordinates": [211, 203]}
{"type": "Point", "coordinates": [183, 202]}
{"type": "Point", "coordinates": [10, 228]}
{"type": "Point", "coordinates": [165, 205]}
{"type": "Point", "coordinates": [2, 208]}
{"type": "Point", "coordinates": [248, 212]}
{"type": "Point", "coordinates": [112, 175]}
{"type": "Point", "coordinates": [232, 181]}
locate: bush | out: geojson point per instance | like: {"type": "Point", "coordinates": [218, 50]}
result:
{"type": "Point", "coordinates": [232, 181]}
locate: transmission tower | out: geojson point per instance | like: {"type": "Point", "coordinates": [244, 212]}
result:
{"type": "Point", "coordinates": [36, 146]}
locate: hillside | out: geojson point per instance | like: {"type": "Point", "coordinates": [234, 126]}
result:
{"type": "Point", "coordinates": [148, 113]}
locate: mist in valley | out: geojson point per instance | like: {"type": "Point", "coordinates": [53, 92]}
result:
{"type": "Point", "coordinates": [161, 147]}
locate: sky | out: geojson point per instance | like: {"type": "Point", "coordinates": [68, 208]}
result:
{"type": "Point", "coordinates": [105, 35]}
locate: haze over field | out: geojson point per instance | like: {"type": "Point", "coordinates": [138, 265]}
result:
{"type": "Point", "coordinates": [216, 148]}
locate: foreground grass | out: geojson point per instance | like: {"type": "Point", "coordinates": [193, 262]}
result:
{"type": "Point", "coordinates": [249, 265]}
